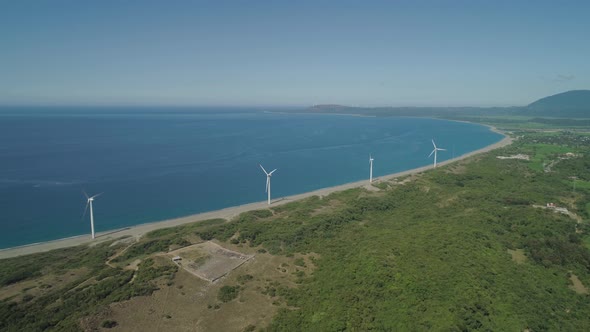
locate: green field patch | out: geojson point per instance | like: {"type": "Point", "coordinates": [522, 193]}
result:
{"type": "Point", "coordinates": [545, 153]}
{"type": "Point", "coordinates": [581, 184]}
{"type": "Point", "coordinates": [517, 255]}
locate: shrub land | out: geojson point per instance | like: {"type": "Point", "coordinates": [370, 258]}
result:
{"type": "Point", "coordinates": [460, 247]}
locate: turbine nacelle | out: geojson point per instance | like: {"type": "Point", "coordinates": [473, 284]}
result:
{"type": "Point", "coordinates": [431, 153]}
{"type": "Point", "coordinates": [267, 173]}
{"type": "Point", "coordinates": [437, 149]}
{"type": "Point", "coordinates": [91, 198]}
{"type": "Point", "coordinates": [434, 151]}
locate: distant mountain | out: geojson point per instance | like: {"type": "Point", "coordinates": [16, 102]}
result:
{"type": "Point", "coordinates": [571, 104]}
{"type": "Point", "coordinates": [575, 103]}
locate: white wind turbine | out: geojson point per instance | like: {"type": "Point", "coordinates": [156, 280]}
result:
{"type": "Point", "coordinates": [371, 169]}
{"type": "Point", "coordinates": [434, 151]}
{"type": "Point", "coordinates": [89, 202]}
{"type": "Point", "coordinates": [268, 175]}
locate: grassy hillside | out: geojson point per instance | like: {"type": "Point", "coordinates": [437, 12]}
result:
{"type": "Point", "coordinates": [468, 246]}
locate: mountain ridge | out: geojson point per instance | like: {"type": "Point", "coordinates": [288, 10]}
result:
{"type": "Point", "coordinates": [568, 99]}
{"type": "Point", "coordinates": [569, 104]}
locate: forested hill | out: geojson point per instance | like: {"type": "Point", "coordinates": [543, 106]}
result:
{"type": "Point", "coordinates": [571, 104]}
{"type": "Point", "coordinates": [575, 103]}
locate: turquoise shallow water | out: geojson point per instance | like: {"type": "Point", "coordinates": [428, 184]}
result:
{"type": "Point", "coordinates": [157, 164]}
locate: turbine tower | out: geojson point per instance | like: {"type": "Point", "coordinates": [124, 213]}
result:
{"type": "Point", "coordinates": [89, 202]}
{"type": "Point", "coordinates": [268, 175]}
{"type": "Point", "coordinates": [371, 169]}
{"type": "Point", "coordinates": [434, 151]}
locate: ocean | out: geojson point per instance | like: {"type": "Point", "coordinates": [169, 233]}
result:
{"type": "Point", "coordinates": [154, 164]}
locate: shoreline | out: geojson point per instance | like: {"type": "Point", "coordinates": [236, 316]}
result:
{"type": "Point", "coordinates": [228, 213]}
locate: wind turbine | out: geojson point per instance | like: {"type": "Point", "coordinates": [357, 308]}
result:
{"type": "Point", "coordinates": [268, 175]}
{"type": "Point", "coordinates": [89, 202]}
{"type": "Point", "coordinates": [434, 151]}
{"type": "Point", "coordinates": [371, 169]}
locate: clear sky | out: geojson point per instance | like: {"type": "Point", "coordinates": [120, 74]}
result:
{"type": "Point", "coordinates": [374, 53]}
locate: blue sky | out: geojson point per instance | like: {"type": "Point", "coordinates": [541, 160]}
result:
{"type": "Point", "coordinates": [374, 53]}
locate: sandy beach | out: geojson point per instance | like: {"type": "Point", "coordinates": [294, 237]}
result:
{"type": "Point", "coordinates": [227, 213]}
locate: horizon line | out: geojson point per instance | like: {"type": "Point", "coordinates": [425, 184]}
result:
{"type": "Point", "coordinates": [237, 106]}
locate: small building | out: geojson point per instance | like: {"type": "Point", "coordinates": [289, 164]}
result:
{"type": "Point", "coordinates": [551, 205]}
{"type": "Point", "coordinates": [176, 258]}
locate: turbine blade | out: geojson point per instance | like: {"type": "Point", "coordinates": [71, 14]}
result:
{"type": "Point", "coordinates": [441, 149]}
{"type": "Point", "coordinates": [265, 172]}
{"type": "Point", "coordinates": [431, 153]}
{"type": "Point", "coordinates": [97, 195]}
{"type": "Point", "coordinates": [433, 144]}
{"type": "Point", "coordinates": [85, 194]}
{"type": "Point", "coordinates": [85, 209]}
{"type": "Point", "coordinates": [272, 171]}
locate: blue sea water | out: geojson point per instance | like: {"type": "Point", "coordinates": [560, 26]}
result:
{"type": "Point", "coordinates": [159, 164]}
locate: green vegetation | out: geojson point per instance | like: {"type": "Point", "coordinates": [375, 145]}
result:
{"type": "Point", "coordinates": [541, 153]}
{"type": "Point", "coordinates": [244, 278]}
{"type": "Point", "coordinates": [250, 328]}
{"type": "Point", "coordinates": [60, 308]}
{"type": "Point", "coordinates": [563, 122]}
{"type": "Point", "coordinates": [242, 222]}
{"type": "Point", "coordinates": [510, 122]}
{"type": "Point", "coordinates": [148, 247]}
{"type": "Point", "coordinates": [162, 240]}
{"type": "Point", "coordinates": [581, 184]}
{"type": "Point", "coordinates": [430, 254]}
{"type": "Point", "coordinates": [17, 269]}
{"type": "Point", "coordinates": [183, 229]}
{"type": "Point", "coordinates": [380, 185]}
{"type": "Point", "coordinates": [228, 293]}
{"type": "Point", "coordinates": [108, 324]}
{"type": "Point", "coordinates": [299, 262]}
